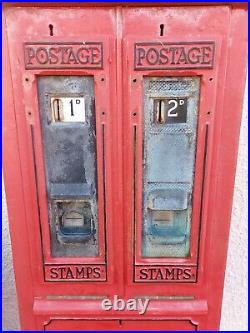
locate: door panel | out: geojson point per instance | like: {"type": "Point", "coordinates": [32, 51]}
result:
{"type": "Point", "coordinates": [170, 73]}
{"type": "Point", "coordinates": [161, 325]}
{"type": "Point", "coordinates": [65, 157]}
{"type": "Point", "coordinates": [81, 325]}
{"type": "Point", "coordinates": [102, 325]}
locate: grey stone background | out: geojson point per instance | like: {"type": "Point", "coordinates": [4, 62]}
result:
{"type": "Point", "coordinates": [235, 307]}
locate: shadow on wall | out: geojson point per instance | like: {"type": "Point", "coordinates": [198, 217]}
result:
{"type": "Point", "coordinates": [9, 303]}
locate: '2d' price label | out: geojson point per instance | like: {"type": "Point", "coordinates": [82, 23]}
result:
{"type": "Point", "coordinates": [176, 110]}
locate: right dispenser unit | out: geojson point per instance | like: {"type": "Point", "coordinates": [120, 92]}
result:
{"type": "Point", "coordinates": [184, 76]}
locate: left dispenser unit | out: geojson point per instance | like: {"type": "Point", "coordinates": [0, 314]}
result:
{"type": "Point", "coordinates": [67, 115]}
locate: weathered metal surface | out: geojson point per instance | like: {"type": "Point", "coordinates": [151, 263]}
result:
{"type": "Point", "coordinates": [70, 164]}
{"type": "Point", "coordinates": [169, 158]}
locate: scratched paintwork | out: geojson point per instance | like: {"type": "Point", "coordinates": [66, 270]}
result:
{"type": "Point", "coordinates": [70, 164]}
{"type": "Point", "coordinates": [169, 156]}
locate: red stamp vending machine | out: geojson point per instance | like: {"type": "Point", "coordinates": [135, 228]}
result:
{"type": "Point", "coordinates": [120, 133]}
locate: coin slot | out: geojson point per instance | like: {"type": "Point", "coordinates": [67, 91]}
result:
{"type": "Point", "coordinates": [58, 109]}
{"type": "Point", "coordinates": [159, 107]}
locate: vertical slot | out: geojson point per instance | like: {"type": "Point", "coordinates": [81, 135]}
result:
{"type": "Point", "coordinates": [161, 29]}
{"type": "Point", "coordinates": [57, 109]}
{"type": "Point", "coordinates": [159, 106]}
{"type": "Point", "coordinates": [51, 33]}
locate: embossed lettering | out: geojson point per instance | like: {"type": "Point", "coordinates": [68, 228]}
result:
{"type": "Point", "coordinates": [75, 272]}
{"type": "Point", "coordinates": [42, 56]}
{"type": "Point", "coordinates": [30, 54]}
{"type": "Point", "coordinates": [97, 272]}
{"type": "Point", "coordinates": [54, 273]}
{"type": "Point", "coordinates": [165, 273]}
{"type": "Point", "coordinates": [53, 58]}
{"type": "Point", "coordinates": [63, 55]}
{"type": "Point", "coordinates": [187, 273]}
{"type": "Point", "coordinates": [174, 55]}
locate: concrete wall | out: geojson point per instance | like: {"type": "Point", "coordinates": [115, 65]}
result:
{"type": "Point", "coordinates": [234, 311]}
{"type": "Point", "coordinates": [235, 305]}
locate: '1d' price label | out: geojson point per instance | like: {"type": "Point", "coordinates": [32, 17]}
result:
{"type": "Point", "coordinates": [68, 109]}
